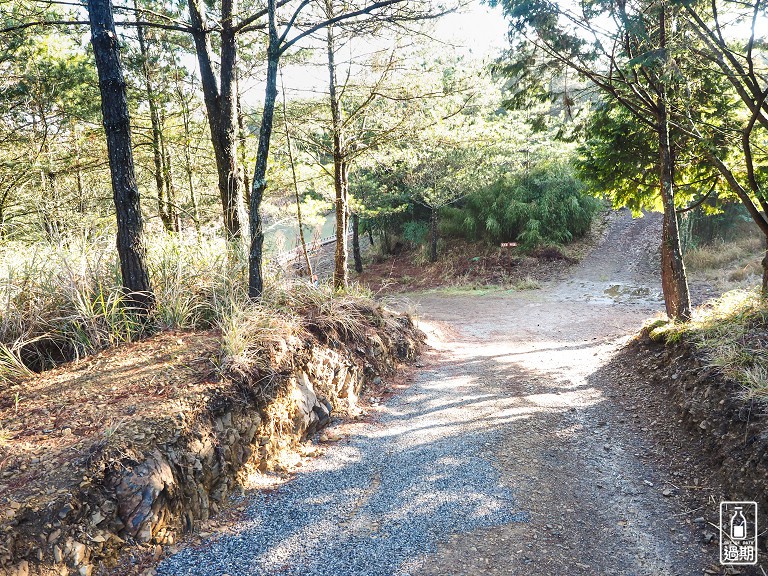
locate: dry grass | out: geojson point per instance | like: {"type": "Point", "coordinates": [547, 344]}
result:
{"type": "Point", "coordinates": [12, 368]}
{"type": "Point", "coordinates": [728, 266]}
{"type": "Point", "coordinates": [528, 283]}
{"type": "Point", "coordinates": [721, 254]}
{"type": "Point", "coordinates": [466, 266]}
{"type": "Point", "coordinates": [59, 302]}
{"type": "Point", "coordinates": [732, 333]}
{"type": "Point", "coordinates": [64, 302]}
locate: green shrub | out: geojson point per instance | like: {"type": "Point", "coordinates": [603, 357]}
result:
{"type": "Point", "coordinates": [415, 232]}
{"type": "Point", "coordinates": [547, 204]}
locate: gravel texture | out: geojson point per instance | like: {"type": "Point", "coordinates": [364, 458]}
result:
{"type": "Point", "coordinates": [376, 504]}
{"type": "Point", "coordinates": [510, 454]}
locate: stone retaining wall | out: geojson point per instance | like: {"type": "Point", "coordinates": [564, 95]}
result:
{"type": "Point", "coordinates": [130, 496]}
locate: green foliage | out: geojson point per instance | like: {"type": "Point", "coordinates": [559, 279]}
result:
{"type": "Point", "coordinates": [546, 204]}
{"type": "Point", "coordinates": [415, 232]}
{"type": "Point", "coordinates": [619, 159]}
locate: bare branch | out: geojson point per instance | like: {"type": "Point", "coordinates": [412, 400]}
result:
{"type": "Point", "coordinates": [340, 18]}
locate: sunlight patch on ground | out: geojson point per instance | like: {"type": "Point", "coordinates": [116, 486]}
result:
{"type": "Point", "coordinates": [263, 480]}
{"type": "Point", "coordinates": [579, 398]}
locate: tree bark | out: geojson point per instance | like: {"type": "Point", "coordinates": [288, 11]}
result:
{"type": "Point", "coordinates": [356, 243]}
{"type": "Point", "coordinates": [241, 141]}
{"type": "Point", "coordinates": [674, 282]}
{"type": "Point", "coordinates": [259, 186]}
{"type": "Point", "coordinates": [78, 171]}
{"type": "Point", "coordinates": [340, 180]}
{"type": "Point", "coordinates": [221, 110]}
{"type": "Point", "coordinates": [171, 214]}
{"type": "Point", "coordinates": [228, 135]}
{"type": "Point", "coordinates": [114, 109]}
{"type": "Point", "coordinates": [433, 235]}
{"type": "Point", "coordinates": [154, 118]}
{"type": "Point", "coordinates": [186, 120]}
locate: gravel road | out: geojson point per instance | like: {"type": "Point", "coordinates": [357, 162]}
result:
{"type": "Point", "coordinates": [506, 455]}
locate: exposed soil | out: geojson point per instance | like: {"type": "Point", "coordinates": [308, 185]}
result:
{"type": "Point", "coordinates": [56, 420]}
{"type": "Point", "coordinates": [132, 447]}
{"type": "Point", "coordinates": [474, 264]}
{"type": "Point", "coordinates": [532, 441]}
{"type": "Point", "coordinates": [716, 443]}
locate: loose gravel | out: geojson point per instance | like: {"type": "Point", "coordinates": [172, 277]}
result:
{"type": "Point", "coordinates": [508, 455]}
{"type": "Point", "coordinates": [380, 503]}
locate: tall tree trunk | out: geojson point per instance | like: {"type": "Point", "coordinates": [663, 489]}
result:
{"type": "Point", "coordinates": [49, 211]}
{"type": "Point", "coordinates": [299, 219]}
{"type": "Point", "coordinates": [356, 243]}
{"type": "Point", "coordinates": [433, 235]}
{"type": "Point", "coordinates": [171, 213]}
{"type": "Point", "coordinates": [764, 262]}
{"type": "Point", "coordinates": [221, 112]}
{"type": "Point", "coordinates": [154, 121]}
{"type": "Point", "coordinates": [241, 141]}
{"type": "Point", "coordinates": [340, 184]}
{"type": "Point", "coordinates": [78, 171]}
{"type": "Point", "coordinates": [228, 122]}
{"type": "Point", "coordinates": [259, 186]}
{"type": "Point", "coordinates": [186, 120]}
{"type": "Point", "coordinates": [114, 109]}
{"type": "Point", "coordinates": [674, 282]}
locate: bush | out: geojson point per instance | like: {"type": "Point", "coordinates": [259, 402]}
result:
{"type": "Point", "coordinates": [415, 232]}
{"type": "Point", "coordinates": [547, 204]}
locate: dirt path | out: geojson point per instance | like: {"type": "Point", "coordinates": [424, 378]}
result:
{"type": "Point", "coordinates": [598, 501]}
{"type": "Point", "coordinates": [507, 455]}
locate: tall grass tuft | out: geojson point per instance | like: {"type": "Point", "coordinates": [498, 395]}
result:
{"type": "Point", "coordinates": [12, 367]}
{"type": "Point", "coordinates": [731, 333]}
{"type": "Point", "coordinates": [62, 302]}
{"type": "Point", "coordinates": [717, 255]}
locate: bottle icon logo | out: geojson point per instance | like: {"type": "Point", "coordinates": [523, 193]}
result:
{"type": "Point", "coordinates": [738, 533]}
{"type": "Point", "coordinates": [738, 524]}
